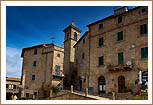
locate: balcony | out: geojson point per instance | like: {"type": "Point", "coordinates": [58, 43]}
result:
{"type": "Point", "coordinates": [116, 68]}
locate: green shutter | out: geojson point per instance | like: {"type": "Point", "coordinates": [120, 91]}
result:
{"type": "Point", "coordinates": [143, 29]}
{"type": "Point", "coordinates": [120, 58]}
{"type": "Point", "coordinates": [101, 60]}
{"type": "Point", "coordinates": [144, 52]}
{"type": "Point", "coordinates": [120, 36]}
{"type": "Point", "coordinates": [101, 41]}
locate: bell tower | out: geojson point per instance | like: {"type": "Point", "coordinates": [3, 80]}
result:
{"type": "Point", "coordinates": [72, 35]}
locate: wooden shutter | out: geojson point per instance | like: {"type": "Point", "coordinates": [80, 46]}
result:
{"type": "Point", "coordinates": [145, 28]}
{"type": "Point", "coordinates": [101, 41]}
{"type": "Point", "coordinates": [144, 52]}
{"type": "Point", "coordinates": [120, 58]}
{"type": "Point", "coordinates": [101, 60]}
{"type": "Point", "coordinates": [141, 29]}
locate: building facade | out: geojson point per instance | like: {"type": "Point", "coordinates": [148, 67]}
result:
{"type": "Point", "coordinates": [116, 50]}
{"type": "Point", "coordinates": [42, 69]}
{"type": "Point", "coordinates": [12, 87]}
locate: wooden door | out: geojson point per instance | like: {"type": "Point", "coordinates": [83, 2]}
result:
{"type": "Point", "coordinates": [121, 83]}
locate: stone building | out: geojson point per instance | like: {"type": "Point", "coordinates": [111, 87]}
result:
{"type": "Point", "coordinates": [110, 56]}
{"type": "Point", "coordinates": [42, 69]}
{"type": "Point", "coordinates": [12, 87]}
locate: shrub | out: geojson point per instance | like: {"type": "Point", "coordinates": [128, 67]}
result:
{"type": "Point", "coordinates": [55, 89]}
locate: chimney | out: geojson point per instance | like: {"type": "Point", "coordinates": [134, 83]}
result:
{"type": "Point", "coordinates": [120, 10]}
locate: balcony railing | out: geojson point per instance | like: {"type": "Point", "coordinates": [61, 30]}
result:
{"type": "Point", "coordinates": [115, 68]}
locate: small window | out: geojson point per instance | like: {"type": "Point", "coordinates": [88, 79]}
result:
{"type": "Point", "coordinates": [68, 36]}
{"type": "Point", "coordinates": [75, 36]}
{"type": "Point", "coordinates": [101, 41]}
{"type": "Point", "coordinates": [35, 52]}
{"type": "Point", "coordinates": [120, 19]}
{"type": "Point", "coordinates": [100, 26]}
{"type": "Point", "coordinates": [83, 55]}
{"type": "Point", "coordinates": [143, 29]}
{"type": "Point", "coordinates": [76, 61]}
{"type": "Point", "coordinates": [143, 10]}
{"type": "Point", "coordinates": [101, 60]}
{"type": "Point", "coordinates": [33, 77]}
{"type": "Point", "coordinates": [120, 36]}
{"type": "Point", "coordinates": [7, 85]}
{"type": "Point", "coordinates": [34, 63]}
{"type": "Point", "coordinates": [57, 70]}
{"type": "Point", "coordinates": [120, 58]}
{"type": "Point", "coordinates": [84, 41]}
{"type": "Point", "coordinates": [14, 87]}
{"type": "Point", "coordinates": [144, 52]}
{"type": "Point", "coordinates": [58, 55]}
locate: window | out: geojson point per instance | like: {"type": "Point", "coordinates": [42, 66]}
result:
{"type": "Point", "coordinates": [75, 36]}
{"type": "Point", "coordinates": [58, 55]}
{"type": "Point", "coordinates": [7, 85]}
{"type": "Point", "coordinates": [68, 36]}
{"type": "Point", "coordinates": [34, 63]}
{"type": "Point", "coordinates": [76, 61]}
{"type": "Point", "coordinates": [144, 52]}
{"type": "Point", "coordinates": [57, 70]}
{"type": "Point", "coordinates": [143, 10]}
{"type": "Point", "coordinates": [120, 36]}
{"type": "Point", "coordinates": [14, 87]}
{"type": "Point", "coordinates": [143, 29]}
{"type": "Point", "coordinates": [101, 41]}
{"type": "Point", "coordinates": [83, 55]}
{"type": "Point", "coordinates": [84, 41]}
{"type": "Point", "coordinates": [120, 58]}
{"type": "Point", "coordinates": [35, 52]}
{"type": "Point", "coordinates": [100, 26]}
{"type": "Point", "coordinates": [33, 77]}
{"type": "Point", "coordinates": [120, 19]}
{"type": "Point", "coordinates": [11, 86]}
{"type": "Point", "coordinates": [101, 60]}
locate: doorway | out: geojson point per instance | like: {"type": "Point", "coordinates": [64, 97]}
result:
{"type": "Point", "coordinates": [101, 85]}
{"type": "Point", "coordinates": [121, 83]}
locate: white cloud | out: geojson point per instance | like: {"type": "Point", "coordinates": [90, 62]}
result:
{"type": "Point", "coordinates": [13, 62]}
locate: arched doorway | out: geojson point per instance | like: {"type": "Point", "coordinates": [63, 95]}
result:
{"type": "Point", "coordinates": [101, 85]}
{"type": "Point", "coordinates": [121, 83]}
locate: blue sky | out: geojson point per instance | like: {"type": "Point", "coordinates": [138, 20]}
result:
{"type": "Point", "coordinates": [32, 25]}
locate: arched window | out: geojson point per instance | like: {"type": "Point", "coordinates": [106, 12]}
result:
{"type": "Point", "coordinates": [101, 84]}
{"type": "Point", "coordinates": [68, 36]}
{"type": "Point", "coordinates": [75, 36]}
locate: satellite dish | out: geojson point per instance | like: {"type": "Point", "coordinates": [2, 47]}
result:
{"type": "Point", "coordinates": [129, 63]}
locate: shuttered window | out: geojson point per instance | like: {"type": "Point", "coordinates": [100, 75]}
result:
{"type": "Point", "coordinates": [120, 36]}
{"type": "Point", "coordinates": [120, 58]}
{"type": "Point", "coordinates": [144, 52]}
{"type": "Point", "coordinates": [101, 41]}
{"type": "Point", "coordinates": [143, 29]}
{"type": "Point", "coordinates": [101, 60]}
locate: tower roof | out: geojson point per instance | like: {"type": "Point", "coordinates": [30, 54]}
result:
{"type": "Point", "coordinates": [72, 25]}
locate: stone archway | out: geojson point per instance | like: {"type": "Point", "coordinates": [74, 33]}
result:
{"type": "Point", "coordinates": [101, 84]}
